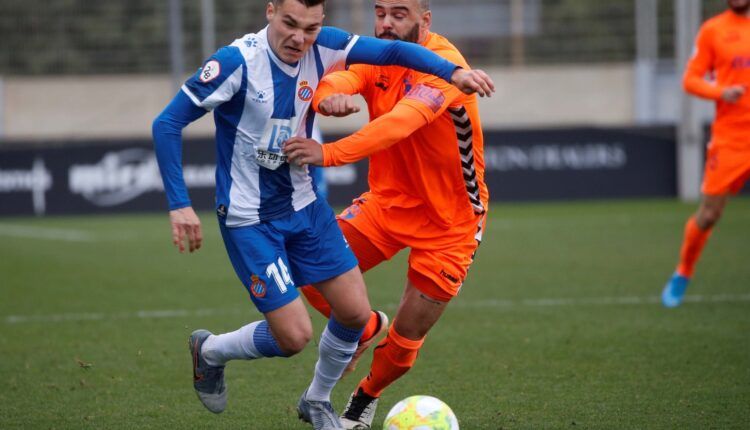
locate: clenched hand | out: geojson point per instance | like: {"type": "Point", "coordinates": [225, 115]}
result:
{"type": "Point", "coordinates": [338, 105]}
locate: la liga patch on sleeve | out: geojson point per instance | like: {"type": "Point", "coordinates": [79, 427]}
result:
{"type": "Point", "coordinates": [210, 71]}
{"type": "Point", "coordinates": [432, 97]}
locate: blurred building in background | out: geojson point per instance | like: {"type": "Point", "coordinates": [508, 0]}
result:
{"type": "Point", "coordinates": [74, 71]}
{"type": "Point", "coordinates": [103, 69]}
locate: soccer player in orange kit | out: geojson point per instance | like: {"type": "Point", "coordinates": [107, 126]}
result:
{"type": "Point", "coordinates": [427, 189]}
{"type": "Point", "coordinates": [723, 49]}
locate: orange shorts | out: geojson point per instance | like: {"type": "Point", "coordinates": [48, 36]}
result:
{"type": "Point", "coordinates": [439, 258]}
{"type": "Point", "coordinates": [727, 169]}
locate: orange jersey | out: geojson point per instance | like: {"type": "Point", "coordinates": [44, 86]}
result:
{"type": "Point", "coordinates": [723, 48]}
{"type": "Point", "coordinates": [424, 139]}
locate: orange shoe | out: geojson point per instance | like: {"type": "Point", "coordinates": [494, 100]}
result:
{"type": "Point", "coordinates": [364, 344]}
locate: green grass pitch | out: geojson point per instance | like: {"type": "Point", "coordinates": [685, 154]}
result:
{"type": "Point", "coordinates": [557, 327]}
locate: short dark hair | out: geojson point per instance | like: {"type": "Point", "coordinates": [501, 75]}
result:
{"type": "Point", "coordinates": [307, 3]}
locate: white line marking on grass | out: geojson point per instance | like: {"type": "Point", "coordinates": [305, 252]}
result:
{"type": "Point", "coordinates": [28, 232]}
{"type": "Point", "coordinates": [155, 314]}
{"type": "Point", "coordinates": [493, 303]}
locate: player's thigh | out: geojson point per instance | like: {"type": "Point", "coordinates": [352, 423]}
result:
{"type": "Point", "coordinates": [316, 248]}
{"type": "Point", "coordinates": [365, 226]}
{"type": "Point", "coordinates": [291, 326]}
{"type": "Point", "coordinates": [368, 255]}
{"type": "Point", "coordinates": [259, 258]}
{"type": "Point", "coordinates": [726, 170]}
{"type": "Point", "coordinates": [440, 271]}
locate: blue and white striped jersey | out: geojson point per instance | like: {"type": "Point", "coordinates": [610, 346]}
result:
{"type": "Point", "coordinates": [259, 102]}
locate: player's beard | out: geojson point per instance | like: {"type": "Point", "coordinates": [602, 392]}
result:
{"type": "Point", "coordinates": [410, 36]}
{"type": "Point", "coordinates": [741, 9]}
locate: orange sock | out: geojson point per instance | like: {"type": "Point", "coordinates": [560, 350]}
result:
{"type": "Point", "coordinates": [692, 245]}
{"type": "Point", "coordinates": [393, 357]}
{"type": "Point", "coordinates": [317, 301]}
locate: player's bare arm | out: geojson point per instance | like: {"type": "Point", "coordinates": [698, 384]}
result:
{"type": "Point", "coordinates": [473, 81]}
{"type": "Point", "coordinates": [301, 151]}
{"type": "Point", "coordinates": [186, 226]}
{"type": "Point", "coordinates": [338, 105]}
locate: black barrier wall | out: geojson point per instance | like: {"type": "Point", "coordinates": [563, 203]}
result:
{"type": "Point", "coordinates": [122, 176]}
{"type": "Point", "coordinates": [582, 163]}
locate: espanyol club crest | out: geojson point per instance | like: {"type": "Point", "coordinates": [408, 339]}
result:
{"type": "Point", "coordinates": [305, 92]}
{"type": "Point", "coordinates": [257, 287]}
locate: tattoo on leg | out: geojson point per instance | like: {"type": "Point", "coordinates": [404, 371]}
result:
{"type": "Point", "coordinates": [431, 300]}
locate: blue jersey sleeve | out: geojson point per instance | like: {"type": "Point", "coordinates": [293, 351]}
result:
{"type": "Point", "coordinates": [340, 45]}
{"type": "Point", "coordinates": [167, 133]}
{"type": "Point", "coordinates": [218, 80]}
{"type": "Point", "coordinates": [369, 50]}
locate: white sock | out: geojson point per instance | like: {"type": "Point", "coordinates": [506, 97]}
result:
{"type": "Point", "coordinates": [236, 345]}
{"type": "Point", "coordinates": [334, 354]}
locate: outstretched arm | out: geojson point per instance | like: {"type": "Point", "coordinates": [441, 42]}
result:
{"type": "Point", "coordinates": [379, 134]}
{"type": "Point", "coordinates": [167, 133]}
{"type": "Point", "coordinates": [426, 101]}
{"type": "Point", "coordinates": [369, 50]}
{"type": "Point", "coordinates": [383, 132]}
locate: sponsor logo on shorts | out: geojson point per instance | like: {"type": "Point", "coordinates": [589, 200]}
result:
{"type": "Point", "coordinates": [210, 71]}
{"type": "Point", "coordinates": [350, 212]}
{"type": "Point", "coordinates": [448, 276]}
{"type": "Point", "coordinates": [257, 287]}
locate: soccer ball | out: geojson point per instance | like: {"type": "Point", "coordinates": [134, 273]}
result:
{"type": "Point", "coordinates": [420, 413]}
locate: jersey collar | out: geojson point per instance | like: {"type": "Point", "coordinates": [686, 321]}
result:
{"type": "Point", "coordinates": [291, 70]}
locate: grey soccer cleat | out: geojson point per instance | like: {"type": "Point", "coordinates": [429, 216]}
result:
{"type": "Point", "coordinates": [318, 413]}
{"type": "Point", "coordinates": [208, 381]}
{"type": "Point", "coordinates": [360, 411]}
{"type": "Point", "coordinates": [363, 345]}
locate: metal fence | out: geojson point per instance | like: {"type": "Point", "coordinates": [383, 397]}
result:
{"type": "Point", "coordinates": [63, 37]}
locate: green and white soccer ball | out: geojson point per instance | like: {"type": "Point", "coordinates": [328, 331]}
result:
{"type": "Point", "coordinates": [420, 413]}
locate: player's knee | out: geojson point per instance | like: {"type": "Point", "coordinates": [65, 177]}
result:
{"type": "Point", "coordinates": [359, 318]}
{"type": "Point", "coordinates": [294, 341]}
{"type": "Point", "coordinates": [354, 316]}
{"type": "Point", "coordinates": [708, 217]}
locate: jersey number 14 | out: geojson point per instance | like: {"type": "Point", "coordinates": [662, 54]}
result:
{"type": "Point", "coordinates": [280, 274]}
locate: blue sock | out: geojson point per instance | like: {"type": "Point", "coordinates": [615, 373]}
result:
{"type": "Point", "coordinates": [246, 343]}
{"type": "Point", "coordinates": [265, 342]}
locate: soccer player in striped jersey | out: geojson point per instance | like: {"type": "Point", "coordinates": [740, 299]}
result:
{"type": "Point", "coordinates": [277, 234]}
{"type": "Point", "coordinates": [722, 48]}
{"type": "Point", "coordinates": [427, 190]}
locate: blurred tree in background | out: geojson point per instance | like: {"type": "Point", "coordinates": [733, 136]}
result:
{"type": "Point", "coordinates": [40, 37]}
